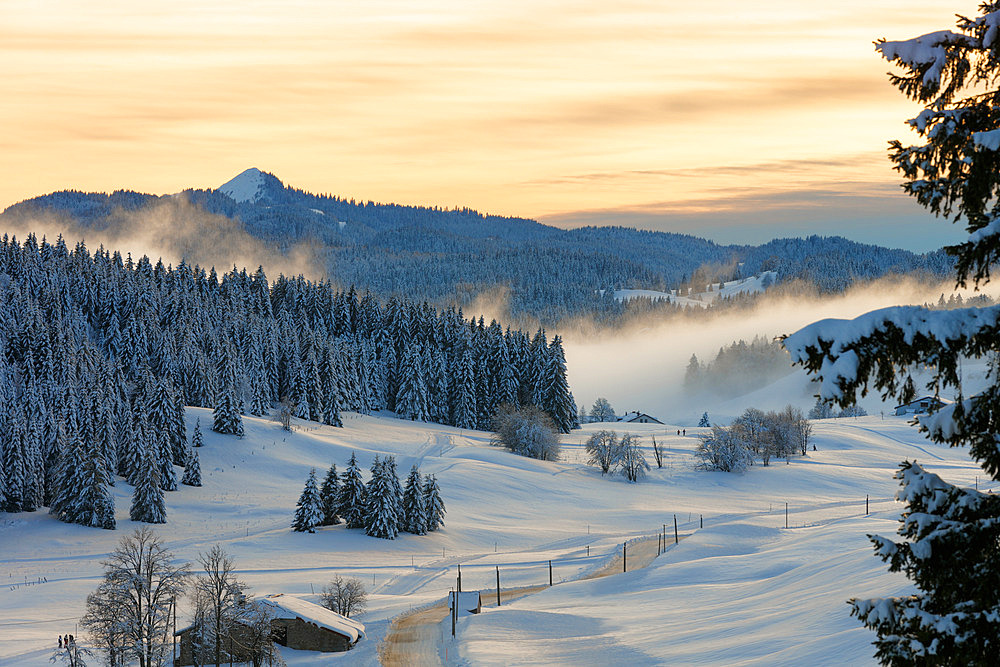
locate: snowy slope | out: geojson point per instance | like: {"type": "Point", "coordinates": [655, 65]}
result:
{"type": "Point", "coordinates": [743, 581]}
{"type": "Point", "coordinates": [753, 284]}
{"type": "Point", "coordinates": [247, 186]}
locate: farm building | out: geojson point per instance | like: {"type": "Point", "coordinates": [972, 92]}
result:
{"type": "Point", "coordinates": [922, 405]}
{"type": "Point", "coordinates": [638, 418]}
{"type": "Point", "coordinates": [295, 623]}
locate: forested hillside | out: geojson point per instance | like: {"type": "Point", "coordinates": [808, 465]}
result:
{"type": "Point", "coordinates": [450, 256]}
{"type": "Point", "coordinates": [99, 355]}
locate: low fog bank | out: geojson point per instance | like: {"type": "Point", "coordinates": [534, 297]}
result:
{"type": "Point", "coordinates": [171, 230]}
{"type": "Point", "coordinates": [642, 367]}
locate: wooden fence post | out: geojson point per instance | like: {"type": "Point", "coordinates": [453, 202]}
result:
{"type": "Point", "coordinates": [676, 536]}
{"type": "Point", "coordinates": [498, 585]}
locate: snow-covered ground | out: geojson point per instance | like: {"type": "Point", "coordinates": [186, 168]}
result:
{"type": "Point", "coordinates": [703, 299]}
{"type": "Point", "coordinates": [741, 590]}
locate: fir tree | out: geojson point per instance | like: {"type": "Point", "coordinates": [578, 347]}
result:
{"type": "Point", "coordinates": [147, 497]}
{"type": "Point", "coordinates": [95, 507]}
{"type": "Point", "coordinates": [196, 437]}
{"type": "Point", "coordinates": [704, 420]}
{"type": "Point", "coordinates": [168, 476]}
{"type": "Point", "coordinates": [308, 511]}
{"type": "Point", "coordinates": [433, 504]}
{"type": "Point", "coordinates": [329, 494]}
{"type": "Point", "coordinates": [227, 417]}
{"type": "Point", "coordinates": [414, 507]}
{"type": "Point", "coordinates": [557, 400]}
{"type": "Point", "coordinates": [382, 511]}
{"type": "Point", "coordinates": [411, 400]}
{"type": "Point", "coordinates": [950, 534]}
{"type": "Point", "coordinates": [192, 471]}
{"type": "Point", "coordinates": [351, 496]}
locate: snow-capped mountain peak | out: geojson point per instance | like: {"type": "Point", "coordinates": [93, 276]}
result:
{"type": "Point", "coordinates": [247, 187]}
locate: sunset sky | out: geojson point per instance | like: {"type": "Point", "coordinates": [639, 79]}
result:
{"type": "Point", "coordinates": [731, 120]}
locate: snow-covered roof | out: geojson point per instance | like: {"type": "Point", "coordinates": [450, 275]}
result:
{"type": "Point", "coordinates": [635, 416]}
{"type": "Point", "coordinates": [288, 607]}
{"type": "Point", "coordinates": [925, 399]}
{"type": "Point", "coordinates": [467, 600]}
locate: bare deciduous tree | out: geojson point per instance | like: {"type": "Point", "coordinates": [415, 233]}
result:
{"type": "Point", "coordinates": [345, 596]}
{"type": "Point", "coordinates": [218, 595]}
{"type": "Point", "coordinates": [140, 583]}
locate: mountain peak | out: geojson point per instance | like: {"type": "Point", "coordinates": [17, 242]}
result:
{"type": "Point", "coordinates": [249, 186]}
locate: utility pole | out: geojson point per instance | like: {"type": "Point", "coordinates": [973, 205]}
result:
{"type": "Point", "coordinates": [498, 585]}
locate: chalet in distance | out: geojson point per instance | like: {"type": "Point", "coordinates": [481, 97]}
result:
{"type": "Point", "coordinates": [638, 418]}
{"type": "Point", "coordinates": [920, 406]}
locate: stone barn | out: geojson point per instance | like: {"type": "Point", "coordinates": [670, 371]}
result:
{"type": "Point", "coordinates": [295, 623]}
{"type": "Point", "coordinates": [305, 626]}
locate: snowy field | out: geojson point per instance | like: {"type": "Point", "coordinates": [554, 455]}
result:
{"type": "Point", "coordinates": [742, 590]}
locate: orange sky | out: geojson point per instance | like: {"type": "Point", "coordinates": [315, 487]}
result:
{"type": "Point", "coordinates": [731, 120]}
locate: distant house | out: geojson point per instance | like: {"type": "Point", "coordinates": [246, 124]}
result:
{"type": "Point", "coordinates": [638, 418]}
{"type": "Point", "coordinates": [296, 623]}
{"type": "Point", "coordinates": [920, 406]}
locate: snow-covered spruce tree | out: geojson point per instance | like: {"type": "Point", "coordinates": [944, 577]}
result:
{"type": "Point", "coordinates": [328, 495]}
{"type": "Point", "coordinates": [433, 504]}
{"type": "Point", "coordinates": [227, 414]}
{"type": "Point", "coordinates": [95, 507]}
{"type": "Point", "coordinates": [351, 498]}
{"type": "Point", "coordinates": [192, 471]}
{"type": "Point", "coordinates": [557, 399]}
{"type": "Point", "coordinates": [411, 399]}
{"type": "Point", "coordinates": [196, 438]}
{"type": "Point", "coordinates": [147, 496]}
{"type": "Point", "coordinates": [308, 511]}
{"type": "Point", "coordinates": [704, 420]}
{"type": "Point", "coordinates": [382, 506]}
{"type": "Point", "coordinates": [414, 504]}
{"type": "Point", "coordinates": [950, 535]}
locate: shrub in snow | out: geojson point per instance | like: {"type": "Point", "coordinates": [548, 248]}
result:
{"type": "Point", "coordinates": [631, 461]}
{"type": "Point", "coordinates": [722, 449]}
{"type": "Point", "coordinates": [853, 411]}
{"type": "Point", "coordinates": [604, 451]}
{"type": "Point", "coordinates": [527, 431]}
{"type": "Point", "coordinates": [345, 596]}
{"type": "Point", "coordinates": [949, 534]}
{"type": "Point", "coordinates": [821, 410]}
